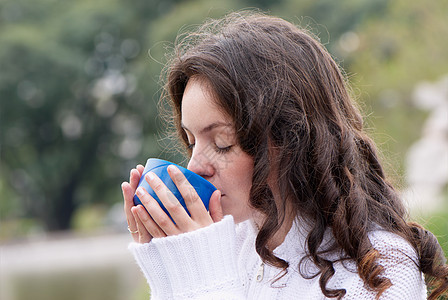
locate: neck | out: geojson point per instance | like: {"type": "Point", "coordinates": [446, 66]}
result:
{"type": "Point", "coordinates": [280, 235]}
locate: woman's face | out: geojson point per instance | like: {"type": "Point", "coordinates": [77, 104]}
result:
{"type": "Point", "coordinates": [216, 156]}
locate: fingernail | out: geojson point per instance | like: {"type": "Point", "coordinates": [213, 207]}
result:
{"type": "Point", "coordinates": [140, 191]}
{"type": "Point", "coordinates": [172, 168]}
{"type": "Point", "coordinates": [150, 176]}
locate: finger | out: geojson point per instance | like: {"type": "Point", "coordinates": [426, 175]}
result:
{"type": "Point", "coordinates": [140, 169]}
{"type": "Point", "coordinates": [192, 200]}
{"type": "Point", "coordinates": [157, 213]}
{"type": "Point", "coordinates": [128, 195]}
{"type": "Point", "coordinates": [171, 203]}
{"type": "Point", "coordinates": [134, 178]}
{"type": "Point", "coordinates": [149, 224]}
{"type": "Point", "coordinates": [216, 207]}
{"type": "Point", "coordinates": [143, 234]}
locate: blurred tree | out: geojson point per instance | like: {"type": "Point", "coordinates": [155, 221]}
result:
{"type": "Point", "coordinates": [386, 47]}
{"type": "Point", "coordinates": [78, 90]}
{"type": "Point", "coordinates": [73, 102]}
{"type": "Point", "coordinates": [329, 20]}
{"type": "Point", "coordinates": [78, 97]}
{"type": "Point", "coordinates": [396, 51]}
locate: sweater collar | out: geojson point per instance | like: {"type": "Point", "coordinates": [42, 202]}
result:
{"type": "Point", "coordinates": [294, 242]}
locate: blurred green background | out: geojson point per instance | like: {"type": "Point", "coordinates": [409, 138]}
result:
{"type": "Point", "coordinates": [79, 86]}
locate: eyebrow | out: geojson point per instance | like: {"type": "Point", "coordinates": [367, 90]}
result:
{"type": "Point", "coordinates": [209, 127]}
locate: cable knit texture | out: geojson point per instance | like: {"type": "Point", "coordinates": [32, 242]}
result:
{"type": "Point", "coordinates": [220, 262]}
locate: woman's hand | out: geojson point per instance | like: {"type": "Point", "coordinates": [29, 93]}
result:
{"type": "Point", "coordinates": [154, 222]}
{"type": "Point", "coordinates": [128, 189]}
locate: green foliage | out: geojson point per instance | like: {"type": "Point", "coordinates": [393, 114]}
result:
{"type": "Point", "coordinates": [69, 103]}
{"type": "Point", "coordinates": [386, 48]}
{"type": "Point", "coordinates": [330, 19]}
{"type": "Point", "coordinates": [399, 49]}
{"type": "Point", "coordinates": [79, 91]}
{"type": "Point", "coordinates": [438, 225]}
{"type": "Point", "coordinates": [88, 217]}
{"type": "Point", "coordinates": [79, 86]}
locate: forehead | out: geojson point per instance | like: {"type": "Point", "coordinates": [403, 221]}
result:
{"type": "Point", "coordinates": [199, 108]}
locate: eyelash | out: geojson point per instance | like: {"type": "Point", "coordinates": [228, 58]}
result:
{"type": "Point", "coordinates": [223, 150]}
{"type": "Point", "coordinates": [217, 149]}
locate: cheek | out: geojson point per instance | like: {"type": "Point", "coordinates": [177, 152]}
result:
{"type": "Point", "coordinates": [241, 175]}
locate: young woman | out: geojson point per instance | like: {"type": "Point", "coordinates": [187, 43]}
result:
{"type": "Point", "coordinates": [303, 208]}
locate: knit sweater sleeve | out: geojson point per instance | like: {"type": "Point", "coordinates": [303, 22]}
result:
{"type": "Point", "coordinates": [400, 264]}
{"type": "Point", "coordinates": [194, 265]}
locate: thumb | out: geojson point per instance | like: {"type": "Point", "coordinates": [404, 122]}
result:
{"type": "Point", "coordinates": [215, 206]}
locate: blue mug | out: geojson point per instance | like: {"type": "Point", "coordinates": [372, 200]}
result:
{"type": "Point", "coordinates": [159, 167]}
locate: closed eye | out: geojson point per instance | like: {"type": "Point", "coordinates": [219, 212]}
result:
{"type": "Point", "coordinates": [222, 150]}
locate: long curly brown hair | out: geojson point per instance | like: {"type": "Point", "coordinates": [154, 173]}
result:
{"type": "Point", "coordinates": [284, 91]}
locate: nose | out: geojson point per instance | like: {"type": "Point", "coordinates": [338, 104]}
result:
{"type": "Point", "coordinates": [201, 164]}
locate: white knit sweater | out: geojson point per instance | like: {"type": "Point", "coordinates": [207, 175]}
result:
{"type": "Point", "coordinates": [220, 262]}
